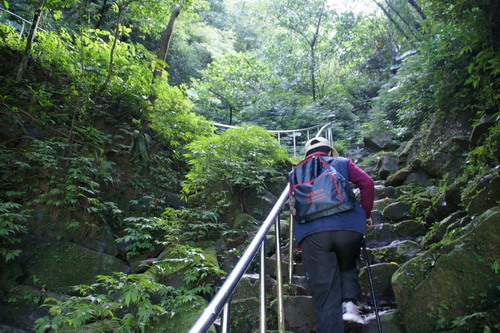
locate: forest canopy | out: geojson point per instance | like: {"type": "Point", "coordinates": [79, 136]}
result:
{"type": "Point", "coordinates": [108, 142]}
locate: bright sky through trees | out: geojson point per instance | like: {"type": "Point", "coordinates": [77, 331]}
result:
{"type": "Point", "coordinates": [356, 6]}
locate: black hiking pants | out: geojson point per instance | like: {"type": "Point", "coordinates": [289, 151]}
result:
{"type": "Point", "coordinates": [331, 270]}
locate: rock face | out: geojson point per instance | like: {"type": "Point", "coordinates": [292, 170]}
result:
{"type": "Point", "coordinates": [483, 195]}
{"type": "Point", "coordinates": [387, 164]}
{"type": "Point", "coordinates": [60, 265]}
{"type": "Point", "coordinates": [444, 284]}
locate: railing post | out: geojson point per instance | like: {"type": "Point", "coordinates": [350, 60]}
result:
{"type": "Point", "coordinates": [226, 315]}
{"type": "Point", "coordinates": [294, 144]}
{"type": "Point", "coordinates": [263, 325]}
{"type": "Point", "coordinates": [210, 313]}
{"type": "Point", "coordinates": [279, 278]}
{"type": "Point", "coordinates": [290, 251]}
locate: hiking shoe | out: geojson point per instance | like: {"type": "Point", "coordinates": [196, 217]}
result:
{"type": "Point", "coordinates": [351, 313]}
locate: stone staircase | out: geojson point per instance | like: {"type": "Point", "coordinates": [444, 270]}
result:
{"type": "Point", "coordinates": [390, 242]}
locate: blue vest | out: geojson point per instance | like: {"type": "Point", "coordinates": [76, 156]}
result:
{"type": "Point", "coordinates": [353, 220]}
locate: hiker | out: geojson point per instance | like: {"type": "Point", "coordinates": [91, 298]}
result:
{"type": "Point", "coordinates": [331, 244]}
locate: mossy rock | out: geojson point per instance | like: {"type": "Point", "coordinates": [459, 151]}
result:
{"type": "Point", "coordinates": [385, 233]}
{"type": "Point", "coordinates": [185, 316]}
{"type": "Point", "coordinates": [381, 204]}
{"type": "Point", "coordinates": [60, 265]}
{"type": "Point", "coordinates": [385, 192]}
{"type": "Point", "coordinates": [397, 251]}
{"type": "Point", "coordinates": [10, 329]}
{"type": "Point", "coordinates": [484, 195]}
{"type": "Point", "coordinates": [438, 232]}
{"type": "Point", "coordinates": [173, 273]}
{"type": "Point", "coordinates": [244, 221]}
{"type": "Point", "coordinates": [258, 204]}
{"type": "Point", "coordinates": [22, 306]}
{"type": "Point", "coordinates": [101, 326]}
{"type": "Point", "coordinates": [249, 287]}
{"type": "Point", "coordinates": [381, 276]}
{"type": "Point", "coordinates": [387, 165]}
{"type": "Point", "coordinates": [397, 211]}
{"type": "Point", "coordinates": [389, 321]}
{"type": "Point", "coordinates": [457, 280]}
{"type": "Point", "coordinates": [299, 316]}
{"type": "Point", "coordinates": [245, 314]}
{"type": "Point", "coordinates": [398, 178]}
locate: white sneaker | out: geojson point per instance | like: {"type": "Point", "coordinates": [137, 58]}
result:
{"type": "Point", "coordinates": [351, 313]}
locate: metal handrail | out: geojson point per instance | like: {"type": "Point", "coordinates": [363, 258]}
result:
{"type": "Point", "coordinates": [223, 296]}
{"type": "Point", "coordinates": [328, 134]}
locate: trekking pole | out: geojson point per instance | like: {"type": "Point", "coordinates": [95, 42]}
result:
{"type": "Point", "coordinates": [370, 280]}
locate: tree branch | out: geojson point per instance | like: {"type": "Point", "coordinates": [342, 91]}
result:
{"type": "Point", "coordinates": [389, 16]}
{"type": "Point", "coordinates": [401, 17]}
{"type": "Point", "coordinates": [419, 10]}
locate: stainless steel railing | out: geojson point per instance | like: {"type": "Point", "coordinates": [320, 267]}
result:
{"type": "Point", "coordinates": [221, 300]}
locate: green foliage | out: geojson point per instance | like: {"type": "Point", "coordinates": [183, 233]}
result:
{"type": "Point", "coordinates": [172, 118]}
{"type": "Point", "coordinates": [140, 235]}
{"type": "Point", "coordinates": [223, 166]}
{"type": "Point", "coordinates": [200, 273]}
{"type": "Point", "coordinates": [132, 302]}
{"type": "Point", "coordinates": [453, 69]}
{"type": "Point", "coordinates": [228, 85]}
{"type": "Point", "coordinates": [482, 158]}
{"type": "Point", "coordinates": [192, 224]}
{"type": "Point", "coordinates": [124, 299]}
{"type": "Point", "coordinates": [12, 221]}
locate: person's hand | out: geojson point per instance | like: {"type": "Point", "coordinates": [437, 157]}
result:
{"type": "Point", "coordinates": [369, 222]}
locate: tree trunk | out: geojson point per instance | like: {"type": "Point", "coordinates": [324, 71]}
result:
{"type": "Point", "coordinates": [401, 17]}
{"type": "Point", "coordinates": [29, 42]}
{"type": "Point", "coordinates": [419, 10]}
{"type": "Point", "coordinates": [116, 36]}
{"type": "Point", "coordinates": [313, 44]}
{"type": "Point", "coordinates": [389, 16]}
{"type": "Point", "coordinates": [165, 41]}
{"type": "Point", "coordinates": [102, 14]}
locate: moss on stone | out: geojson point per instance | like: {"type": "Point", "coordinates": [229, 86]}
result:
{"type": "Point", "coordinates": [454, 281]}
{"type": "Point", "coordinates": [60, 265]}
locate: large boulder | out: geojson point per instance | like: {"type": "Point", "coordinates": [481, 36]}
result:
{"type": "Point", "coordinates": [60, 265]}
{"type": "Point", "coordinates": [383, 141]}
{"type": "Point", "coordinates": [258, 204]}
{"type": "Point", "coordinates": [385, 192]}
{"type": "Point", "coordinates": [381, 204]}
{"type": "Point", "coordinates": [419, 177]}
{"type": "Point", "coordinates": [381, 278]}
{"type": "Point", "coordinates": [483, 195]}
{"type": "Point", "coordinates": [389, 320]}
{"type": "Point", "coordinates": [439, 230]}
{"type": "Point", "coordinates": [448, 159]}
{"type": "Point", "coordinates": [399, 251]}
{"type": "Point", "coordinates": [173, 274]}
{"type": "Point", "coordinates": [21, 306]}
{"type": "Point", "coordinates": [387, 164]}
{"type": "Point", "coordinates": [245, 315]}
{"type": "Point", "coordinates": [480, 131]}
{"type": "Point", "coordinates": [457, 280]}
{"type": "Point", "coordinates": [385, 233]}
{"type": "Point", "coordinates": [397, 211]}
{"type": "Point", "coordinates": [399, 178]}
{"type": "Point", "coordinates": [299, 316]}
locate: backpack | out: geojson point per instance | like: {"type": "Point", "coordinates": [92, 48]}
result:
{"type": "Point", "coordinates": [319, 190]}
